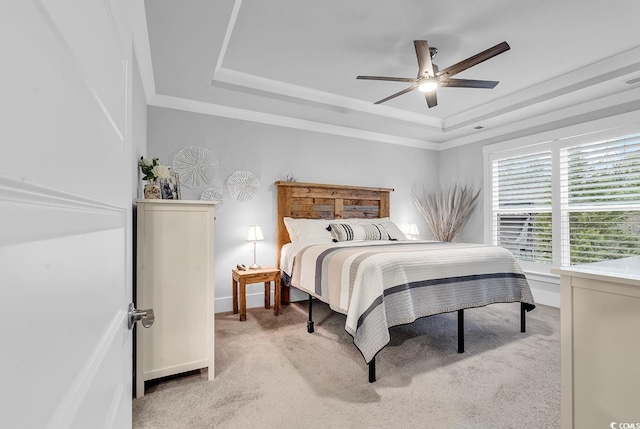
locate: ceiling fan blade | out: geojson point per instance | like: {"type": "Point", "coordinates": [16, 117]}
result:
{"type": "Point", "coordinates": [474, 60]}
{"type": "Point", "coordinates": [424, 58]}
{"type": "Point", "coordinates": [392, 79]}
{"type": "Point", "coordinates": [469, 83]}
{"type": "Point", "coordinates": [404, 91]}
{"type": "Point", "coordinates": [432, 99]}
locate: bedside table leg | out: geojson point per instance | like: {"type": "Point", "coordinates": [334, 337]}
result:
{"type": "Point", "coordinates": [267, 294]}
{"type": "Point", "coordinates": [276, 298]}
{"type": "Point", "coordinates": [243, 301]}
{"type": "Point", "coordinates": [235, 296]}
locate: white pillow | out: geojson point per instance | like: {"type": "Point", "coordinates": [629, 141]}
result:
{"type": "Point", "coordinates": [289, 224]}
{"type": "Point", "coordinates": [315, 230]}
{"type": "Point", "coordinates": [308, 230]}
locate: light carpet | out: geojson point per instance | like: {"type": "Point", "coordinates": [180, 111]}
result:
{"type": "Point", "coordinates": [271, 373]}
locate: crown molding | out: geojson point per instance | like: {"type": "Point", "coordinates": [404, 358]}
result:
{"type": "Point", "coordinates": [518, 105]}
{"type": "Point", "coordinates": [257, 85]}
{"type": "Point", "coordinates": [206, 108]}
{"type": "Point", "coordinates": [588, 116]}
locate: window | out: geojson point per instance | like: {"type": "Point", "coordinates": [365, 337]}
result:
{"type": "Point", "coordinates": [521, 200]}
{"type": "Point", "coordinates": [600, 201]}
{"type": "Point", "coordinates": [565, 204]}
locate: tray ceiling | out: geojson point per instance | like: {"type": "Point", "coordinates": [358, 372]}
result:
{"type": "Point", "coordinates": [294, 63]}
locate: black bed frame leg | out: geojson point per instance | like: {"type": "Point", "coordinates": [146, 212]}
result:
{"type": "Point", "coordinates": [460, 331]}
{"type": "Point", "coordinates": [523, 318]}
{"type": "Point", "coordinates": [372, 370]}
{"type": "Point", "coordinates": [310, 322]}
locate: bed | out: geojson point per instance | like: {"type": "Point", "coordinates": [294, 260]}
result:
{"type": "Point", "coordinates": [337, 244]}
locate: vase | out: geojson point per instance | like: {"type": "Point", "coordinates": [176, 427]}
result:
{"type": "Point", "coordinates": [152, 191]}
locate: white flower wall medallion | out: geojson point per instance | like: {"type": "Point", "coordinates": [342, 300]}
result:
{"type": "Point", "coordinates": [213, 194]}
{"type": "Point", "coordinates": [195, 166]}
{"type": "Point", "coordinates": [242, 185]}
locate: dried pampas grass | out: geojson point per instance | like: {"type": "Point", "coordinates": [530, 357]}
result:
{"type": "Point", "coordinates": [446, 211]}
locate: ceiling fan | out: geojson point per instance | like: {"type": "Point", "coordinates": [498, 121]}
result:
{"type": "Point", "coordinates": [430, 78]}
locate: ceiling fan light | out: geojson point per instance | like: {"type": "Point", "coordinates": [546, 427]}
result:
{"type": "Point", "coordinates": [428, 86]}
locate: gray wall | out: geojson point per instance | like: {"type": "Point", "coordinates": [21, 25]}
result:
{"type": "Point", "coordinates": [139, 129]}
{"type": "Point", "coordinates": [271, 153]}
{"type": "Point", "coordinates": [464, 165]}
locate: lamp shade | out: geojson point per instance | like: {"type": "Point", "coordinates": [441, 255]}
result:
{"type": "Point", "coordinates": [254, 233]}
{"type": "Point", "coordinates": [412, 229]}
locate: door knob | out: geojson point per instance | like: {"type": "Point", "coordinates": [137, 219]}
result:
{"type": "Point", "coordinates": [145, 316]}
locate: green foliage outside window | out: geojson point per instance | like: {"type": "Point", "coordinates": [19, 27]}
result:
{"type": "Point", "coordinates": [614, 179]}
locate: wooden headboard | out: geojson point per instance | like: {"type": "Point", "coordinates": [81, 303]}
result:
{"type": "Point", "coordinates": [320, 201]}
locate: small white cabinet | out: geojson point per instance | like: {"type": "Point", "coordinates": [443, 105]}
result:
{"type": "Point", "coordinates": [174, 277]}
{"type": "Point", "coordinates": [600, 343]}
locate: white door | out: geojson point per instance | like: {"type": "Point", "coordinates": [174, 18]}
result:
{"type": "Point", "coordinates": [65, 214]}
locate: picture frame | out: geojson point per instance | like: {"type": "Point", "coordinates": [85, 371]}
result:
{"type": "Point", "coordinates": [170, 188]}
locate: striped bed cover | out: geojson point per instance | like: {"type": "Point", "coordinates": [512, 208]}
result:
{"type": "Point", "coordinates": [378, 285]}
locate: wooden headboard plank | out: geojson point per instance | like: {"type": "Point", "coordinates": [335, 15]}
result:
{"type": "Point", "coordinates": [338, 208]}
{"type": "Point", "coordinates": [307, 192]}
{"type": "Point", "coordinates": [284, 210]}
{"type": "Point", "coordinates": [333, 187]}
{"type": "Point", "coordinates": [384, 204]}
{"type": "Point", "coordinates": [324, 201]}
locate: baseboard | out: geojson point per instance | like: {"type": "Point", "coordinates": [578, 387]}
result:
{"type": "Point", "coordinates": [225, 303]}
{"type": "Point", "coordinates": [543, 297]}
{"type": "Point", "coordinates": [545, 293]}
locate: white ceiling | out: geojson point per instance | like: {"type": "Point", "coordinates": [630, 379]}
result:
{"type": "Point", "coordinates": [294, 63]}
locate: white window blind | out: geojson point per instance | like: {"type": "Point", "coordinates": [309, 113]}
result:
{"type": "Point", "coordinates": [522, 205]}
{"type": "Point", "coordinates": [600, 199]}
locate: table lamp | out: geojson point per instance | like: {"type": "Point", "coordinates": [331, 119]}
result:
{"type": "Point", "coordinates": [412, 231]}
{"type": "Point", "coordinates": [254, 234]}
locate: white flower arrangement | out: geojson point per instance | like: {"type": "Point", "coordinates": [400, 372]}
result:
{"type": "Point", "coordinates": [153, 170]}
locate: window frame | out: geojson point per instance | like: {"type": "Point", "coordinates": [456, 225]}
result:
{"type": "Point", "coordinates": [525, 146]}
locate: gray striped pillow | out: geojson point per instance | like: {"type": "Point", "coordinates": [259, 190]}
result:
{"type": "Point", "coordinates": [354, 232]}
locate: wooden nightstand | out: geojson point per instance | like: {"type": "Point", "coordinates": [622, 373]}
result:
{"type": "Point", "coordinates": [244, 277]}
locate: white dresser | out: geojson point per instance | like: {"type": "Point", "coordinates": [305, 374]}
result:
{"type": "Point", "coordinates": [600, 344]}
{"type": "Point", "coordinates": [174, 277]}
